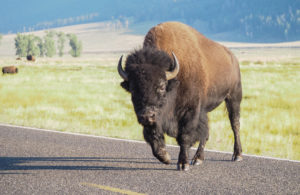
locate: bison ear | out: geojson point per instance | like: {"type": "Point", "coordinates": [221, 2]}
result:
{"type": "Point", "coordinates": [125, 85]}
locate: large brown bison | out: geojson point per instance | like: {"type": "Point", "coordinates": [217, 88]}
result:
{"type": "Point", "coordinates": [30, 58]}
{"type": "Point", "coordinates": [9, 70]}
{"type": "Point", "coordinates": [175, 80]}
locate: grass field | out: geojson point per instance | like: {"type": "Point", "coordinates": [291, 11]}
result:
{"type": "Point", "coordinates": [83, 95]}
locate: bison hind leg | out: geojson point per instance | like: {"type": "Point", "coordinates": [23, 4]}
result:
{"type": "Point", "coordinates": [233, 107]}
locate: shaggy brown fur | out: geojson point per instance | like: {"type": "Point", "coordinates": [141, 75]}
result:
{"type": "Point", "coordinates": [202, 61]}
{"type": "Point", "coordinates": [9, 70]}
{"type": "Point", "coordinates": [209, 74]}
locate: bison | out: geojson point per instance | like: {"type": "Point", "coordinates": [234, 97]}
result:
{"type": "Point", "coordinates": [9, 70]}
{"type": "Point", "coordinates": [175, 79]}
{"type": "Point", "coordinates": [30, 58]}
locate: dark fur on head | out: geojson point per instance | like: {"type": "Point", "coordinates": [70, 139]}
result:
{"type": "Point", "coordinates": [150, 55]}
{"type": "Point", "coordinates": [147, 82]}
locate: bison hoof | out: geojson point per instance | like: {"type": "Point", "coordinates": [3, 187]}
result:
{"type": "Point", "coordinates": [166, 158]}
{"type": "Point", "coordinates": [237, 158]}
{"type": "Point", "coordinates": [183, 167]}
{"type": "Point", "coordinates": [196, 162]}
{"type": "Point", "coordinates": [163, 156]}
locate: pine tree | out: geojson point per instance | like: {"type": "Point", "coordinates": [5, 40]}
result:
{"type": "Point", "coordinates": [32, 48]}
{"type": "Point", "coordinates": [41, 46]}
{"type": "Point", "coordinates": [21, 43]}
{"type": "Point", "coordinates": [61, 43]}
{"type": "Point", "coordinates": [49, 44]}
{"type": "Point", "coordinates": [27, 45]}
{"type": "Point", "coordinates": [76, 46]}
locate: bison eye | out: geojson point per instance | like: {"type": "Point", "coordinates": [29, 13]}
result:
{"type": "Point", "coordinates": [161, 88]}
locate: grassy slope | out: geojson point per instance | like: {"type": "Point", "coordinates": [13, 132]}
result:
{"type": "Point", "coordinates": [103, 37]}
{"type": "Point", "coordinates": [96, 38]}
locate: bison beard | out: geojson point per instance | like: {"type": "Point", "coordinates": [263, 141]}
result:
{"type": "Point", "coordinates": [173, 96]}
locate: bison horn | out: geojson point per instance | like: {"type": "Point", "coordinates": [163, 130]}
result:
{"type": "Point", "coordinates": [122, 73]}
{"type": "Point", "coordinates": [171, 75]}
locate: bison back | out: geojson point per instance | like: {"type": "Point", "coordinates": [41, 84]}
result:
{"type": "Point", "coordinates": [202, 61]}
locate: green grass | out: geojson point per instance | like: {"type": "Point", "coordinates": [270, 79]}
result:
{"type": "Point", "coordinates": [270, 113]}
{"type": "Point", "coordinates": [69, 97]}
{"type": "Point", "coordinates": [84, 96]}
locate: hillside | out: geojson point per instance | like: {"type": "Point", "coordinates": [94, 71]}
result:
{"type": "Point", "coordinates": [96, 38]}
{"type": "Point", "coordinates": [223, 20]}
{"type": "Point", "coordinates": [107, 38]}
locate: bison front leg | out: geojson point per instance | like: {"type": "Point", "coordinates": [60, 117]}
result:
{"type": "Point", "coordinates": [204, 134]}
{"type": "Point", "coordinates": [186, 141]}
{"type": "Point", "coordinates": [183, 164]}
{"type": "Point", "coordinates": [157, 142]}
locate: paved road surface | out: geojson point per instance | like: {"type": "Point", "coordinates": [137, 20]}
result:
{"type": "Point", "coordinates": [45, 162]}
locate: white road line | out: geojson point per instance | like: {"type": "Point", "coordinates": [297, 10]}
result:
{"type": "Point", "coordinates": [136, 141]}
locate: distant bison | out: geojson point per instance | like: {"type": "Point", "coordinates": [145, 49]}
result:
{"type": "Point", "coordinates": [30, 58]}
{"type": "Point", "coordinates": [9, 70]}
{"type": "Point", "coordinates": [175, 80]}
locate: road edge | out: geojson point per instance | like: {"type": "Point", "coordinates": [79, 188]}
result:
{"type": "Point", "coordinates": [134, 141]}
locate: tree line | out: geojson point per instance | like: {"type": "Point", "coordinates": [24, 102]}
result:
{"type": "Point", "coordinates": [230, 20]}
{"type": "Point", "coordinates": [50, 44]}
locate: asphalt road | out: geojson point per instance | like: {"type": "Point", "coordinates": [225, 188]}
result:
{"type": "Point", "coordinates": [45, 162]}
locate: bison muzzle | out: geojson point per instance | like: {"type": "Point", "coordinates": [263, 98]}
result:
{"type": "Point", "coordinates": [175, 80]}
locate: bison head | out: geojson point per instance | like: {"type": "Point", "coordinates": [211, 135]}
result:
{"type": "Point", "coordinates": [147, 77]}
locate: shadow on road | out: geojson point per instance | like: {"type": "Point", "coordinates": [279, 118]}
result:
{"type": "Point", "coordinates": [78, 163]}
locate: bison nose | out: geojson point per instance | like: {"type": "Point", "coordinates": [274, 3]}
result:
{"type": "Point", "coordinates": [147, 118]}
